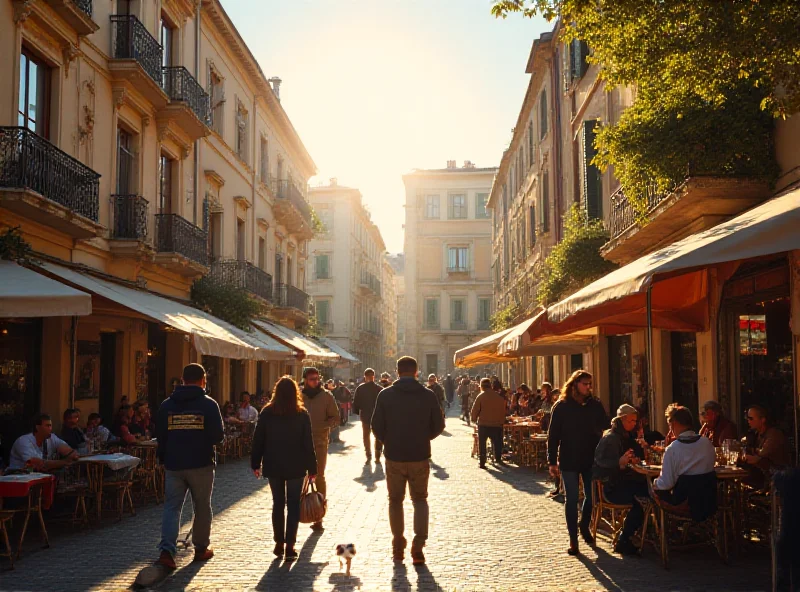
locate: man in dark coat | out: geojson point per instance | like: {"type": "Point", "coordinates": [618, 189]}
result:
{"type": "Point", "coordinates": [364, 405]}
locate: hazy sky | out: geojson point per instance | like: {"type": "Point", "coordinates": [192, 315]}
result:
{"type": "Point", "coordinates": [376, 88]}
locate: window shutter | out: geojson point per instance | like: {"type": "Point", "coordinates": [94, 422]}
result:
{"type": "Point", "coordinates": [592, 198]}
{"type": "Point", "coordinates": [579, 51]}
{"type": "Point", "coordinates": [543, 115]}
{"type": "Point", "coordinates": [545, 202]}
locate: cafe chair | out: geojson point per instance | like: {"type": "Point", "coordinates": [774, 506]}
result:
{"type": "Point", "coordinates": [6, 516]}
{"type": "Point", "coordinates": [119, 483]}
{"type": "Point", "coordinates": [674, 527]}
{"type": "Point", "coordinates": [611, 516]}
{"type": "Point", "coordinates": [33, 505]}
{"type": "Point", "coordinates": [145, 477]}
{"type": "Point", "coordinates": [74, 484]}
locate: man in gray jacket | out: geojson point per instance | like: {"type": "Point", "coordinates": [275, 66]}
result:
{"type": "Point", "coordinates": [364, 404]}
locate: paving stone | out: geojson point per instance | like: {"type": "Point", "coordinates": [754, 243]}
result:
{"type": "Point", "coordinates": [489, 531]}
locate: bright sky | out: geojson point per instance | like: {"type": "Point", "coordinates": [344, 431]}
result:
{"type": "Point", "coordinates": [376, 88]}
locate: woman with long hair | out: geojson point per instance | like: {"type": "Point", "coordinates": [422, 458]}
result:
{"type": "Point", "coordinates": [283, 452]}
{"type": "Point", "coordinates": [576, 425]}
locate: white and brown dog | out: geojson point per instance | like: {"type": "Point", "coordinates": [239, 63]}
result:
{"type": "Point", "coordinates": [346, 552]}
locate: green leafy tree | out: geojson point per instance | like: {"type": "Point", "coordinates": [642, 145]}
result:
{"type": "Point", "coordinates": [504, 318]}
{"type": "Point", "coordinates": [686, 47]}
{"type": "Point", "coordinates": [228, 302]}
{"type": "Point", "coordinates": [317, 226]}
{"type": "Point", "coordinates": [576, 260]}
{"type": "Point", "coordinates": [13, 247]}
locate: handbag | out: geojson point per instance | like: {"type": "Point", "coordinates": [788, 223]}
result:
{"type": "Point", "coordinates": [313, 504]}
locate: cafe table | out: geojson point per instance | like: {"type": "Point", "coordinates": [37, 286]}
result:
{"type": "Point", "coordinates": [119, 462]}
{"type": "Point", "coordinates": [38, 488]}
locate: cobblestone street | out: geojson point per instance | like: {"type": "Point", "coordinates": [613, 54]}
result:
{"type": "Point", "coordinates": [490, 530]}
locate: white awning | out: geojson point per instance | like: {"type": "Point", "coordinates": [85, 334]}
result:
{"type": "Point", "coordinates": [676, 272]}
{"type": "Point", "coordinates": [480, 352]}
{"type": "Point", "coordinates": [25, 293]}
{"type": "Point", "coordinates": [310, 350]}
{"type": "Point", "coordinates": [517, 343]}
{"type": "Point", "coordinates": [211, 336]}
{"type": "Point", "coordinates": [338, 349]}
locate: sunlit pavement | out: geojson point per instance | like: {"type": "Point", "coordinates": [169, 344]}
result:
{"type": "Point", "coordinates": [490, 530]}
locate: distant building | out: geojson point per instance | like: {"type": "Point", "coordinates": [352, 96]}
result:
{"type": "Point", "coordinates": [398, 263]}
{"type": "Point", "coordinates": [348, 279]}
{"type": "Point", "coordinates": [448, 282]}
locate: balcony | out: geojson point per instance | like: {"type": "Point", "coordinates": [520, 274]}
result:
{"type": "Point", "coordinates": [136, 58]}
{"type": "Point", "coordinates": [243, 274]}
{"type": "Point", "coordinates": [180, 245]}
{"type": "Point", "coordinates": [695, 205]}
{"type": "Point", "coordinates": [47, 185]}
{"type": "Point", "coordinates": [370, 283]}
{"type": "Point", "coordinates": [291, 208]}
{"type": "Point", "coordinates": [458, 325]}
{"type": "Point", "coordinates": [291, 303]}
{"type": "Point", "coordinates": [188, 103]}
{"type": "Point", "coordinates": [129, 232]}
{"type": "Point", "coordinates": [77, 13]}
{"type": "Point", "coordinates": [457, 269]}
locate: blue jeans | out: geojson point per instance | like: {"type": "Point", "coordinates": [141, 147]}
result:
{"type": "Point", "coordinates": [285, 494]}
{"type": "Point", "coordinates": [200, 482]}
{"type": "Point", "coordinates": [570, 479]}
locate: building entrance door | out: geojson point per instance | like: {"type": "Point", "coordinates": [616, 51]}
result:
{"type": "Point", "coordinates": [108, 383]}
{"type": "Point", "coordinates": [620, 375]}
{"type": "Point", "coordinates": [684, 370]}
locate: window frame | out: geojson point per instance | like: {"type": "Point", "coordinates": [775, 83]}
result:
{"type": "Point", "coordinates": [436, 321]}
{"type": "Point", "coordinates": [457, 263]}
{"type": "Point", "coordinates": [43, 92]}
{"type": "Point", "coordinates": [482, 207]}
{"type": "Point", "coordinates": [451, 206]}
{"type": "Point", "coordinates": [432, 207]}
{"type": "Point", "coordinates": [317, 259]}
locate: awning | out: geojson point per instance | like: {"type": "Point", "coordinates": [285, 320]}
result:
{"type": "Point", "coordinates": [210, 335]}
{"type": "Point", "coordinates": [517, 343]}
{"type": "Point", "coordinates": [309, 350]}
{"type": "Point", "coordinates": [678, 274]}
{"type": "Point", "coordinates": [25, 293]}
{"type": "Point", "coordinates": [346, 356]}
{"type": "Point", "coordinates": [481, 352]}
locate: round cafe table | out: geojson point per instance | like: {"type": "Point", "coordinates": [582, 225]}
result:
{"type": "Point", "coordinates": [117, 462]}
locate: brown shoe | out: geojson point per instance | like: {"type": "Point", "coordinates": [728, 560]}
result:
{"type": "Point", "coordinates": [203, 554]}
{"type": "Point", "coordinates": [290, 554]}
{"type": "Point", "coordinates": [398, 555]}
{"type": "Point", "coordinates": [417, 557]}
{"type": "Point", "coordinates": [166, 560]}
{"type": "Point", "coordinates": [317, 527]}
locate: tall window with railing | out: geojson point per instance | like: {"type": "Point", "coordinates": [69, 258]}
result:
{"type": "Point", "coordinates": [126, 163]}
{"type": "Point", "coordinates": [216, 93]}
{"type": "Point", "coordinates": [242, 124]}
{"type": "Point", "coordinates": [457, 259]}
{"type": "Point", "coordinates": [34, 94]}
{"type": "Point", "coordinates": [264, 163]}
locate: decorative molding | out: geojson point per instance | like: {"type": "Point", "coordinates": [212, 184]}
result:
{"type": "Point", "coordinates": [185, 152]}
{"type": "Point", "coordinates": [162, 130]}
{"type": "Point", "coordinates": [214, 177]}
{"type": "Point", "coordinates": [263, 223]}
{"type": "Point", "coordinates": [69, 52]}
{"type": "Point", "coordinates": [119, 96]}
{"type": "Point", "coordinates": [242, 201]}
{"type": "Point", "coordinates": [146, 121]}
{"type": "Point", "coordinates": [22, 10]}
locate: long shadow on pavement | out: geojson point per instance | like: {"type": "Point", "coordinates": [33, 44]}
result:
{"type": "Point", "coordinates": [521, 478]}
{"type": "Point", "coordinates": [297, 575]}
{"type": "Point", "coordinates": [369, 478]}
{"type": "Point", "coordinates": [116, 547]}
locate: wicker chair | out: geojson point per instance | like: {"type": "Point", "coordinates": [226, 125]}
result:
{"type": "Point", "coordinates": [33, 505]}
{"type": "Point", "coordinates": [145, 475]}
{"type": "Point", "coordinates": [74, 483]}
{"type": "Point", "coordinates": [120, 483]}
{"type": "Point", "coordinates": [6, 516]}
{"type": "Point", "coordinates": [616, 512]}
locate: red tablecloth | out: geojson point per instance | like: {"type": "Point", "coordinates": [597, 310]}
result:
{"type": "Point", "coordinates": [20, 485]}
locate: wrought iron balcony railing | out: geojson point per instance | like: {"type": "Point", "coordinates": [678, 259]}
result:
{"type": "Point", "coordinates": [84, 5]}
{"type": "Point", "coordinates": [287, 296]}
{"type": "Point", "coordinates": [371, 281]}
{"type": "Point", "coordinates": [131, 40]}
{"type": "Point", "coordinates": [28, 161]}
{"type": "Point", "coordinates": [286, 189]}
{"type": "Point", "coordinates": [243, 274]}
{"type": "Point", "coordinates": [458, 325]}
{"type": "Point", "coordinates": [175, 234]}
{"type": "Point", "coordinates": [180, 85]}
{"type": "Point", "coordinates": [457, 269]}
{"type": "Point", "coordinates": [623, 215]}
{"type": "Point", "coordinates": [130, 217]}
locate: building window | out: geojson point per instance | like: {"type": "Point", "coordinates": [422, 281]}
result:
{"type": "Point", "coordinates": [592, 198]}
{"type": "Point", "coordinates": [480, 205]}
{"type": "Point", "coordinates": [241, 237]}
{"type": "Point", "coordinates": [322, 267]}
{"type": "Point", "coordinates": [532, 223]}
{"type": "Point", "coordinates": [458, 314]}
{"type": "Point", "coordinates": [432, 363]}
{"type": "Point", "coordinates": [165, 184]}
{"type": "Point", "coordinates": [34, 95]}
{"type": "Point", "coordinates": [543, 115]}
{"type": "Point", "coordinates": [530, 143]}
{"type": "Point", "coordinates": [545, 209]}
{"type": "Point", "coordinates": [241, 131]}
{"type": "Point", "coordinates": [578, 51]}
{"type": "Point", "coordinates": [457, 259]}
{"type": "Point", "coordinates": [432, 207]}
{"type": "Point", "coordinates": [217, 96]}
{"type": "Point", "coordinates": [167, 36]}
{"type": "Point", "coordinates": [126, 163]}
{"type": "Point", "coordinates": [457, 207]}
{"type": "Point", "coordinates": [262, 253]}
{"type": "Point", "coordinates": [432, 313]}
{"type": "Point", "coordinates": [484, 312]}
{"type": "Point", "coordinates": [264, 172]}
{"type": "Point", "coordinates": [323, 310]}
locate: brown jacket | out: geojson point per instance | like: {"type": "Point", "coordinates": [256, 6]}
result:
{"type": "Point", "coordinates": [322, 409]}
{"type": "Point", "coordinates": [489, 409]}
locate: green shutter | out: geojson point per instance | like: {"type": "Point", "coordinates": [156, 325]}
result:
{"type": "Point", "coordinates": [543, 115]}
{"type": "Point", "coordinates": [579, 50]}
{"type": "Point", "coordinates": [592, 198]}
{"type": "Point", "coordinates": [545, 202]}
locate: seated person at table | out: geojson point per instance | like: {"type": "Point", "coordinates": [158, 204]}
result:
{"type": "Point", "coordinates": [688, 480]}
{"type": "Point", "coordinates": [229, 413]}
{"type": "Point", "coordinates": [643, 428]}
{"type": "Point", "coordinates": [70, 432]}
{"type": "Point", "coordinates": [122, 424]}
{"type": "Point", "coordinates": [140, 424]}
{"type": "Point", "coordinates": [616, 450]}
{"type": "Point", "coordinates": [246, 412]}
{"type": "Point", "coordinates": [97, 431]}
{"type": "Point", "coordinates": [41, 449]}
{"type": "Point", "coordinates": [770, 449]}
{"type": "Point", "coordinates": [717, 427]}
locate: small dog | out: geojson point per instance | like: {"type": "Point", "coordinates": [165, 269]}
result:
{"type": "Point", "coordinates": [346, 552]}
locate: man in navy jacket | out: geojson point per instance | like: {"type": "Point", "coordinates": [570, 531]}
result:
{"type": "Point", "coordinates": [188, 426]}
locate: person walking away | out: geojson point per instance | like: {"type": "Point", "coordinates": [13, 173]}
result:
{"type": "Point", "coordinates": [449, 389]}
{"type": "Point", "coordinates": [618, 449]}
{"type": "Point", "coordinates": [433, 384]}
{"type": "Point", "coordinates": [407, 417]}
{"type": "Point", "coordinates": [364, 404]}
{"type": "Point", "coordinates": [343, 398]}
{"type": "Point", "coordinates": [324, 415]}
{"type": "Point", "coordinates": [463, 394]}
{"type": "Point", "coordinates": [188, 426]}
{"type": "Point", "coordinates": [489, 412]}
{"type": "Point", "coordinates": [577, 423]}
{"type": "Point", "coordinates": [283, 452]}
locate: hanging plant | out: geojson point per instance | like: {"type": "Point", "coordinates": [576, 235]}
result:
{"type": "Point", "coordinates": [13, 247]}
{"type": "Point", "coordinates": [227, 302]}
